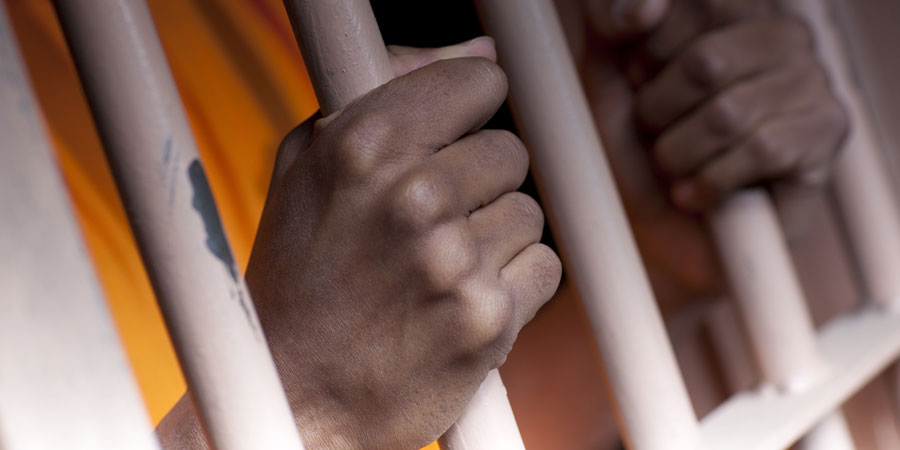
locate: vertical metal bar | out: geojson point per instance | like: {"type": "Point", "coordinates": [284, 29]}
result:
{"type": "Point", "coordinates": [346, 57]}
{"type": "Point", "coordinates": [739, 371]}
{"type": "Point", "coordinates": [590, 225]}
{"type": "Point", "coordinates": [342, 48]}
{"type": "Point", "coordinates": [64, 379]}
{"type": "Point", "coordinates": [488, 422]}
{"type": "Point", "coordinates": [862, 187]}
{"type": "Point", "coordinates": [832, 433]}
{"type": "Point", "coordinates": [154, 160]}
{"type": "Point", "coordinates": [766, 288]}
{"type": "Point", "coordinates": [768, 295]}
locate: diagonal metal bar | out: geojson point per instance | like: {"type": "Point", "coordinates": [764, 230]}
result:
{"type": "Point", "coordinates": [154, 160]}
{"type": "Point", "coordinates": [64, 378]}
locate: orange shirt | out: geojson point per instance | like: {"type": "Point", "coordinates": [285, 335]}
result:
{"type": "Point", "coordinates": [244, 87]}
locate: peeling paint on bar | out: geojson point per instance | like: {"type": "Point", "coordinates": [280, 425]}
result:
{"type": "Point", "coordinates": [589, 224]}
{"type": "Point", "coordinates": [153, 156]}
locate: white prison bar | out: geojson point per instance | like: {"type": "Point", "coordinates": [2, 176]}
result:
{"type": "Point", "coordinates": [768, 294]}
{"type": "Point", "coordinates": [863, 190]}
{"type": "Point", "coordinates": [729, 344]}
{"type": "Point", "coordinates": [871, 219]}
{"type": "Point", "coordinates": [590, 225]}
{"type": "Point", "coordinates": [200, 289]}
{"type": "Point", "coordinates": [765, 286]}
{"type": "Point", "coordinates": [769, 298]}
{"type": "Point", "coordinates": [853, 348]}
{"type": "Point", "coordinates": [346, 57]}
{"type": "Point", "coordinates": [862, 187]}
{"type": "Point", "coordinates": [488, 422]}
{"type": "Point", "coordinates": [64, 379]}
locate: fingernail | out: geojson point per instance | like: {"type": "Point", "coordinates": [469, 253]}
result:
{"type": "Point", "coordinates": [482, 46]}
{"type": "Point", "coordinates": [479, 39]}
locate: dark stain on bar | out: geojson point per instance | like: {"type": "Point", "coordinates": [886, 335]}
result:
{"type": "Point", "coordinates": [215, 234]}
{"type": "Point", "coordinates": [170, 170]}
{"type": "Point", "coordinates": [204, 204]}
{"type": "Point", "coordinates": [167, 150]}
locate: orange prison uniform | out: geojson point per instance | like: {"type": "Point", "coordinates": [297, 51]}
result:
{"type": "Point", "coordinates": [244, 87]}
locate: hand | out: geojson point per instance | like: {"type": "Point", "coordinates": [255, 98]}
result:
{"type": "Point", "coordinates": [761, 68]}
{"type": "Point", "coordinates": [395, 264]}
{"type": "Point", "coordinates": [741, 105]}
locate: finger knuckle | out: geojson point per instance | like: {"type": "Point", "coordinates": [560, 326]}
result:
{"type": "Point", "coordinates": [419, 201]}
{"type": "Point", "coordinates": [485, 314]}
{"type": "Point", "coordinates": [768, 152]}
{"type": "Point", "coordinates": [524, 211]}
{"type": "Point", "coordinates": [508, 149]}
{"type": "Point", "coordinates": [359, 142]}
{"type": "Point", "coordinates": [705, 64]}
{"type": "Point", "coordinates": [449, 259]}
{"type": "Point", "coordinates": [726, 115]}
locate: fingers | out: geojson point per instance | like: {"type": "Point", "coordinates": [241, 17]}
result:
{"type": "Point", "coordinates": [619, 19]}
{"type": "Point", "coordinates": [408, 119]}
{"type": "Point", "coordinates": [484, 166]}
{"type": "Point", "coordinates": [738, 106]}
{"type": "Point", "coordinates": [532, 278]}
{"type": "Point", "coordinates": [715, 61]}
{"type": "Point", "coordinates": [798, 147]}
{"type": "Point", "coordinates": [489, 273]}
{"type": "Point", "coordinates": [459, 179]}
{"type": "Point", "coordinates": [506, 226]}
{"type": "Point", "coordinates": [489, 317]}
{"type": "Point", "coordinates": [518, 275]}
{"type": "Point", "coordinates": [733, 113]}
{"type": "Point", "coordinates": [406, 59]}
{"type": "Point", "coordinates": [423, 111]}
{"type": "Point", "coordinates": [685, 21]}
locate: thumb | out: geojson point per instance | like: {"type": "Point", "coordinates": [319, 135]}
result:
{"type": "Point", "coordinates": [406, 59]}
{"type": "Point", "coordinates": [623, 19]}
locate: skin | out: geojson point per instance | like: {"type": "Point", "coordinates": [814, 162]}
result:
{"type": "Point", "coordinates": [692, 103]}
{"type": "Point", "coordinates": [694, 99]}
{"type": "Point", "coordinates": [395, 263]}
{"type": "Point", "coordinates": [708, 98]}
